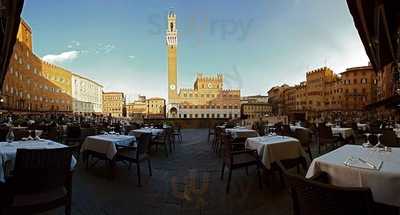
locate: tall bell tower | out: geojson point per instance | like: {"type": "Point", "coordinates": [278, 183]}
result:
{"type": "Point", "coordinates": [172, 42]}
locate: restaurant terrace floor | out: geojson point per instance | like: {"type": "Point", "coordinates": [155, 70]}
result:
{"type": "Point", "coordinates": [187, 182]}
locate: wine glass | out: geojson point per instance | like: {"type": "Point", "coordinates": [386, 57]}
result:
{"type": "Point", "coordinates": [30, 134]}
{"type": "Point", "coordinates": [379, 141]}
{"type": "Point", "coordinates": [367, 144]}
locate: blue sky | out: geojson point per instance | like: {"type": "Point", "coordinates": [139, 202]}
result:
{"type": "Point", "coordinates": [256, 44]}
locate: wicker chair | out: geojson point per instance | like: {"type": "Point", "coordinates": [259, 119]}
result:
{"type": "Point", "coordinates": [238, 159]}
{"type": "Point", "coordinates": [42, 181]}
{"type": "Point", "coordinates": [136, 154]}
{"type": "Point", "coordinates": [313, 197]}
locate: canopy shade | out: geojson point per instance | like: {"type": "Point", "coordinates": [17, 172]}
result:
{"type": "Point", "coordinates": [10, 17]}
{"type": "Point", "coordinates": [378, 24]}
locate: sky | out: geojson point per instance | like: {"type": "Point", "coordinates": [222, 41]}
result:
{"type": "Point", "coordinates": [255, 44]}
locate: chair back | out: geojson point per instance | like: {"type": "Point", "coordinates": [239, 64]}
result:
{"type": "Point", "coordinates": [324, 132]}
{"type": "Point", "coordinates": [73, 131]}
{"type": "Point", "coordinates": [285, 130]}
{"type": "Point", "coordinates": [20, 133]}
{"type": "Point", "coordinates": [311, 197]}
{"type": "Point", "coordinates": [143, 144]}
{"type": "Point", "coordinates": [52, 133]}
{"type": "Point", "coordinates": [41, 169]}
{"type": "Point", "coordinates": [227, 147]}
{"type": "Point", "coordinates": [304, 136]}
{"type": "Point", "coordinates": [373, 139]}
{"type": "Point", "coordinates": [389, 138]}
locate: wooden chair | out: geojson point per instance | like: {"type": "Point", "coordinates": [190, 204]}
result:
{"type": "Point", "coordinates": [42, 181]}
{"type": "Point", "coordinates": [211, 133]}
{"type": "Point", "coordinates": [136, 154]}
{"type": "Point", "coordinates": [74, 139]}
{"type": "Point", "coordinates": [176, 132]}
{"type": "Point", "coordinates": [238, 159]}
{"type": "Point", "coordinates": [389, 138]}
{"type": "Point", "coordinates": [326, 138]}
{"type": "Point", "coordinates": [163, 139]}
{"type": "Point", "coordinates": [305, 138]}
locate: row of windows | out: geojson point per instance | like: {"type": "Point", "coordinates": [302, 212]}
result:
{"type": "Point", "coordinates": [210, 95]}
{"type": "Point", "coordinates": [208, 115]}
{"type": "Point", "coordinates": [209, 106]}
{"type": "Point", "coordinates": [41, 73]}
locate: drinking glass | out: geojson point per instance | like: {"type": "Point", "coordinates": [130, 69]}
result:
{"type": "Point", "coordinates": [367, 144]}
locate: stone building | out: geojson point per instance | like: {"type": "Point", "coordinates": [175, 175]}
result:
{"type": "Point", "coordinates": [152, 108]}
{"type": "Point", "coordinates": [275, 99]}
{"type": "Point", "coordinates": [32, 84]}
{"type": "Point", "coordinates": [328, 95]}
{"type": "Point", "coordinates": [207, 98]}
{"type": "Point", "coordinates": [87, 95]}
{"type": "Point", "coordinates": [113, 104]}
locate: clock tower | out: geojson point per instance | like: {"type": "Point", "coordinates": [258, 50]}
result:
{"type": "Point", "coordinates": [172, 42]}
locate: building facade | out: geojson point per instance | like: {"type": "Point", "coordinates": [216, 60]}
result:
{"type": "Point", "coordinates": [87, 95]}
{"type": "Point", "coordinates": [152, 108]}
{"type": "Point", "coordinates": [329, 95]}
{"type": "Point", "coordinates": [207, 98]}
{"type": "Point", "coordinates": [113, 104]}
{"type": "Point", "coordinates": [275, 99]}
{"type": "Point", "coordinates": [32, 84]}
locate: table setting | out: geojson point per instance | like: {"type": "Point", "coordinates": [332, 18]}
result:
{"type": "Point", "coordinates": [376, 167]}
{"type": "Point", "coordinates": [8, 151]}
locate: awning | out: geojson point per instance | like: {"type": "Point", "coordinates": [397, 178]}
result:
{"type": "Point", "coordinates": [10, 16]}
{"type": "Point", "coordinates": [378, 24]}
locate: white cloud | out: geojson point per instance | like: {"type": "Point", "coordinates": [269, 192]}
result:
{"type": "Point", "coordinates": [104, 48]}
{"type": "Point", "coordinates": [62, 57]}
{"type": "Point", "coordinates": [131, 57]}
{"type": "Point", "coordinates": [73, 44]}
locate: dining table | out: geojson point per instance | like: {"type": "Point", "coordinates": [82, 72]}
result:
{"type": "Point", "coordinates": [356, 166]}
{"type": "Point", "coordinates": [241, 132]}
{"type": "Point", "coordinates": [345, 133]}
{"type": "Point", "coordinates": [153, 131]}
{"type": "Point", "coordinates": [276, 148]}
{"type": "Point", "coordinates": [8, 152]}
{"type": "Point", "coordinates": [107, 143]}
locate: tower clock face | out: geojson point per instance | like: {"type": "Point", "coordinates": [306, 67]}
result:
{"type": "Point", "coordinates": [172, 87]}
{"type": "Point", "coordinates": [209, 85]}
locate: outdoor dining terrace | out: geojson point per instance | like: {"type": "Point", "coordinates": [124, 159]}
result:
{"type": "Point", "coordinates": [223, 169]}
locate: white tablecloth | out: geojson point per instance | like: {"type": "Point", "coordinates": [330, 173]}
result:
{"type": "Point", "coordinates": [275, 148]}
{"type": "Point", "coordinates": [152, 131]}
{"type": "Point", "coordinates": [384, 183]}
{"type": "Point", "coordinates": [294, 127]}
{"type": "Point", "coordinates": [106, 144]}
{"type": "Point", "coordinates": [241, 132]}
{"type": "Point", "coordinates": [8, 152]}
{"type": "Point", "coordinates": [344, 132]}
{"type": "Point", "coordinates": [397, 131]}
